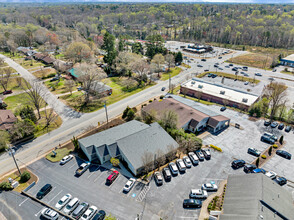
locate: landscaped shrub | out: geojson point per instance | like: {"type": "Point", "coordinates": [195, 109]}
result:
{"type": "Point", "coordinates": [270, 150]}
{"type": "Point", "coordinates": [275, 146]}
{"type": "Point", "coordinates": [263, 156]}
{"type": "Point", "coordinates": [114, 161]}
{"type": "Point", "coordinates": [150, 101]}
{"type": "Point", "coordinates": [162, 96]}
{"type": "Point", "coordinates": [257, 162]}
{"type": "Point", "coordinates": [216, 148]}
{"type": "Point", "coordinates": [5, 186]}
{"type": "Point", "coordinates": [25, 176]}
{"type": "Point", "coordinates": [281, 139]}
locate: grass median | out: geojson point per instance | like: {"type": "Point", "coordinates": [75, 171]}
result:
{"type": "Point", "coordinates": [60, 153]}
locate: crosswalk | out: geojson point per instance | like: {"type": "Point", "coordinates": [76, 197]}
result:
{"type": "Point", "coordinates": [143, 193]}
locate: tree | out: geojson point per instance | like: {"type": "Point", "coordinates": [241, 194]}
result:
{"type": "Point", "coordinates": [89, 75]}
{"type": "Point", "coordinates": [149, 117]}
{"type": "Point", "coordinates": [124, 62]}
{"type": "Point", "coordinates": [78, 52]}
{"type": "Point", "coordinates": [34, 92]}
{"type": "Point", "coordinates": [257, 162]}
{"type": "Point", "coordinates": [121, 45]}
{"type": "Point", "coordinates": [137, 48]}
{"type": "Point", "coordinates": [25, 176]}
{"type": "Point", "coordinates": [170, 59]}
{"type": "Point", "coordinates": [28, 112]}
{"type": "Point", "coordinates": [69, 85]}
{"type": "Point", "coordinates": [5, 76]}
{"type": "Point", "coordinates": [114, 161]}
{"type": "Point", "coordinates": [179, 57]}
{"type": "Point", "coordinates": [169, 120]}
{"type": "Point", "coordinates": [141, 68]}
{"type": "Point", "coordinates": [2, 61]}
{"type": "Point", "coordinates": [109, 47]}
{"type": "Point", "coordinates": [270, 150]}
{"type": "Point", "coordinates": [4, 140]}
{"type": "Point", "coordinates": [22, 129]}
{"type": "Point", "coordinates": [281, 140]}
{"type": "Point", "coordinates": [157, 61]}
{"type": "Point", "coordinates": [276, 93]}
{"type": "Point", "coordinates": [50, 117]}
{"type": "Point", "coordinates": [147, 160]}
{"type": "Point", "coordinates": [75, 142]}
{"type": "Point", "coordinates": [171, 155]}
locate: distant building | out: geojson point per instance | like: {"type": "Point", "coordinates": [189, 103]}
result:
{"type": "Point", "coordinates": [255, 196]}
{"type": "Point", "coordinates": [130, 143]}
{"type": "Point", "coordinates": [101, 88]}
{"type": "Point", "coordinates": [192, 116]}
{"type": "Point", "coordinates": [218, 93]}
{"type": "Point", "coordinates": [288, 61]}
{"type": "Point", "coordinates": [7, 119]}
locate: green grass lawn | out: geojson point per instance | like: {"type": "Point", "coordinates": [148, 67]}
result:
{"type": "Point", "coordinates": [13, 84]}
{"type": "Point", "coordinates": [42, 122]}
{"type": "Point", "coordinates": [60, 154]}
{"type": "Point", "coordinates": [16, 101]}
{"type": "Point", "coordinates": [16, 55]}
{"type": "Point", "coordinates": [43, 72]}
{"type": "Point", "coordinates": [58, 87]}
{"type": "Point", "coordinates": [173, 72]}
{"type": "Point", "coordinates": [28, 64]}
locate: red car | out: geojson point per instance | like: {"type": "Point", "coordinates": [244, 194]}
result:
{"type": "Point", "coordinates": [112, 177]}
{"type": "Point", "coordinates": [7, 92]}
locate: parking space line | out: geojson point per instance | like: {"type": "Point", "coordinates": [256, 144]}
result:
{"type": "Point", "coordinates": [39, 212]}
{"type": "Point", "coordinates": [93, 172]}
{"type": "Point", "coordinates": [23, 201]}
{"type": "Point", "coordinates": [55, 196]}
{"type": "Point", "coordinates": [98, 177]}
{"type": "Point", "coordinates": [72, 166]}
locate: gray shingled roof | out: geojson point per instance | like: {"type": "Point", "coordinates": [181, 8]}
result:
{"type": "Point", "coordinates": [151, 139]}
{"type": "Point", "coordinates": [247, 194]}
{"type": "Point", "coordinates": [110, 136]}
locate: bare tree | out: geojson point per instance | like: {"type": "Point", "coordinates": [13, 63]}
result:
{"type": "Point", "coordinates": [34, 92]}
{"type": "Point", "coordinates": [157, 61]}
{"type": "Point", "coordinates": [169, 120]}
{"type": "Point", "coordinates": [50, 117]}
{"type": "Point", "coordinates": [2, 61]}
{"type": "Point", "coordinates": [69, 85]}
{"type": "Point", "coordinates": [160, 158]}
{"type": "Point", "coordinates": [78, 51]}
{"type": "Point", "coordinates": [147, 160]}
{"type": "Point", "coordinates": [171, 155]}
{"type": "Point", "coordinates": [5, 78]}
{"type": "Point", "coordinates": [170, 59]}
{"type": "Point", "coordinates": [141, 68]}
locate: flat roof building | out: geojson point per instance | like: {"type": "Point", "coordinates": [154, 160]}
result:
{"type": "Point", "coordinates": [288, 61]}
{"type": "Point", "coordinates": [218, 93]}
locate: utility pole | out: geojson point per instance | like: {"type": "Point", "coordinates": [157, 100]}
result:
{"type": "Point", "coordinates": [169, 82]}
{"type": "Point", "coordinates": [106, 113]}
{"type": "Point", "coordinates": [11, 152]}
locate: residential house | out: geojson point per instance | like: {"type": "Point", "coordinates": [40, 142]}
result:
{"type": "Point", "coordinates": [7, 119]}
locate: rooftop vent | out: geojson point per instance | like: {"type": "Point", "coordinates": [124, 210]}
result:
{"type": "Point", "coordinates": [222, 92]}
{"type": "Point", "coordinates": [245, 100]}
{"type": "Point", "coordinates": [200, 86]}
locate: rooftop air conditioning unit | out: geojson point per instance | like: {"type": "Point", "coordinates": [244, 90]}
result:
{"type": "Point", "coordinates": [222, 92]}
{"type": "Point", "coordinates": [200, 86]}
{"type": "Point", "coordinates": [245, 100]}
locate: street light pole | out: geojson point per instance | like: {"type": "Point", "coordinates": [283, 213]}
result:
{"type": "Point", "coordinates": [106, 113]}
{"type": "Point", "coordinates": [11, 152]}
{"type": "Point", "coordinates": [169, 81]}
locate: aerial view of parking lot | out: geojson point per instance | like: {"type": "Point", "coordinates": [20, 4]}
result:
{"type": "Point", "coordinates": [146, 111]}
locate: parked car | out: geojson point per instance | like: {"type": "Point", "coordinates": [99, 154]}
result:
{"type": "Point", "coordinates": [245, 74]}
{"type": "Point", "coordinates": [82, 168]}
{"type": "Point", "coordinates": [100, 215]}
{"type": "Point", "coordinates": [267, 139]}
{"type": "Point", "coordinates": [248, 168]}
{"type": "Point", "coordinates": [223, 108]}
{"type": "Point", "coordinates": [193, 158]}
{"type": "Point", "coordinates": [231, 64]}
{"type": "Point", "coordinates": [215, 65]}
{"type": "Point", "coordinates": [63, 201]}
{"type": "Point", "coordinates": [246, 83]}
{"type": "Point", "coordinates": [167, 174]}
{"type": "Point", "coordinates": [209, 75]}
{"type": "Point", "coordinates": [206, 70]}
{"type": "Point", "coordinates": [220, 57]}
{"type": "Point", "coordinates": [213, 75]}
{"type": "Point", "coordinates": [199, 65]}
{"type": "Point", "coordinates": [281, 181]}
{"type": "Point", "coordinates": [203, 59]}
{"type": "Point", "coordinates": [129, 185]}
{"type": "Point", "coordinates": [54, 79]}
{"type": "Point", "coordinates": [192, 203]}
{"type": "Point", "coordinates": [227, 66]}
{"type": "Point", "coordinates": [163, 88]}
{"type": "Point", "coordinates": [89, 213]}
{"type": "Point", "coordinates": [253, 151]}
{"type": "Point", "coordinates": [209, 187]}
{"type": "Point", "coordinates": [65, 159]}
{"type": "Point", "coordinates": [284, 154]}
{"type": "Point", "coordinates": [274, 124]}
{"type": "Point", "coordinates": [270, 135]}
{"type": "Point", "coordinates": [200, 155]}
{"type": "Point", "coordinates": [271, 174]}
{"type": "Point", "coordinates": [7, 92]}
{"type": "Point", "coordinates": [266, 123]}
{"type": "Point", "coordinates": [173, 168]}
{"type": "Point", "coordinates": [281, 126]}
{"type": "Point", "coordinates": [258, 74]}
{"type": "Point", "coordinates": [158, 178]}
{"type": "Point", "coordinates": [206, 153]}
{"type": "Point", "coordinates": [181, 165]}
{"type": "Point", "coordinates": [49, 214]}
{"type": "Point", "coordinates": [259, 170]}
{"type": "Point", "coordinates": [288, 128]}
{"type": "Point", "coordinates": [187, 161]}
{"type": "Point", "coordinates": [110, 179]}
{"type": "Point", "coordinates": [245, 68]}
{"type": "Point", "coordinates": [79, 211]}
{"type": "Point", "coordinates": [198, 194]}
{"type": "Point", "coordinates": [71, 206]}
{"type": "Point", "coordinates": [274, 70]}
{"type": "Point", "coordinates": [235, 69]}
{"type": "Point", "coordinates": [238, 163]}
{"type": "Point", "coordinates": [44, 191]}
{"type": "Point", "coordinates": [220, 68]}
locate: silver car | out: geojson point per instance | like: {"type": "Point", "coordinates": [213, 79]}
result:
{"type": "Point", "coordinates": [209, 187]}
{"type": "Point", "coordinates": [187, 161]}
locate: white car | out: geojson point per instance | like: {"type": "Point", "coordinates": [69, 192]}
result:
{"type": "Point", "coordinates": [89, 213]}
{"type": "Point", "coordinates": [129, 185]}
{"type": "Point", "coordinates": [173, 168]}
{"type": "Point", "coordinates": [49, 214]}
{"type": "Point", "coordinates": [66, 159]}
{"type": "Point", "coordinates": [193, 158]}
{"type": "Point", "coordinates": [69, 208]}
{"type": "Point", "coordinates": [63, 201]}
{"type": "Point", "coordinates": [187, 161]}
{"type": "Point", "coordinates": [271, 174]}
{"type": "Point", "coordinates": [181, 165]}
{"type": "Point", "coordinates": [198, 194]}
{"type": "Point", "coordinates": [209, 187]}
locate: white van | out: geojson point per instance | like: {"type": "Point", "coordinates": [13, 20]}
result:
{"type": "Point", "coordinates": [181, 165]}
{"type": "Point", "coordinates": [71, 206]}
{"type": "Point", "coordinates": [198, 194]}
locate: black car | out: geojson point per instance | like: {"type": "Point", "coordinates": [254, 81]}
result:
{"type": "Point", "coordinates": [235, 69]}
{"type": "Point", "coordinates": [223, 108]}
{"type": "Point", "coordinates": [267, 139]}
{"type": "Point", "coordinates": [167, 174]}
{"type": "Point", "coordinates": [213, 76]}
{"type": "Point", "coordinates": [220, 57]}
{"type": "Point", "coordinates": [163, 88]}
{"type": "Point", "coordinates": [288, 128]}
{"type": "Point", "coordinates": [100, 215]}
{"type": "Point", "coordinates": [206, 70]}
{"type": "Point", "coordinates": [199, 65]}
{"type": "Point", "coordinates": [203, 59]}
{"type": "Point", "coordinates": [266, 123]}
{"type": "Point", "coordinates": [281, 181]}
{"type": "Point", "coordinates": [192, 203]}
{"type": "Point", "coordinates": [215, 65]}
{"type": "Point", "coordinates": [274, 124]}
{"type": "Point", "coordinates": [231, 64]}
{"type": "Point", "coordinates": [248, 168]}
{"type": "Point", "coordinates": [209, 75]}
{"type": "Point", "coordinates": [200, 155]}
{"type": "Point", "coordinates": [44, 191]}
{"type": "Point", "coordinates": [284, 154]}
{"type": "Point", "coordinates": [238, 163]}
{"type": "Point", "coordinates": [254, 152]}
{"type": "Point", "coordinates": [281, 126]}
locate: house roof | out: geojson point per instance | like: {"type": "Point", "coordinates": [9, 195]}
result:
{"type": "Point", "coordinates": [48, 59]}
{"type": "Point", "coordinates": [100, 87]}
{"type": "Point", "coordinates": [38, 55]}
{"type": "Point", "coordinates": [7, 119]}
{"type": "Point", "coordinates": [251, 196]}
{"type": "Point", "coordinates": [151, 139]}
{"type": "Point", "coordinates": [185, 113]}
{"type": "Point", "coordinates": [213, 121]}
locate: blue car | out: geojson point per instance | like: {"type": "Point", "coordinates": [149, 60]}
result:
{"type": "Point", "coordinates": [259, 170]}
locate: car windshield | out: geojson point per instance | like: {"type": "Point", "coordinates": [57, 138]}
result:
{"type": "Point", "coordinates": [68, 206]}
{"type": "Point", "coordinates": [60, 202]}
